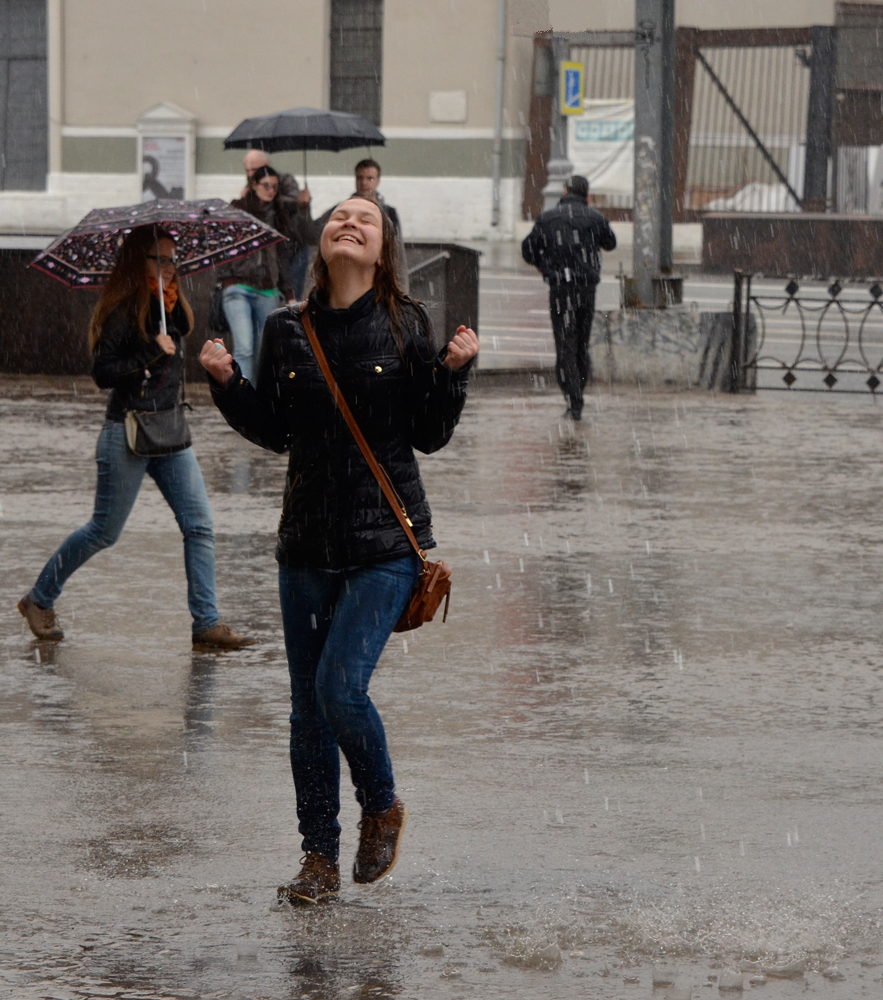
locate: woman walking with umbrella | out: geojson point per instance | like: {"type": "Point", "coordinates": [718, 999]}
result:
{"type": "Point", "coordinates": [137, 353]}
{"type": "Point", "coordinates": [346, 567]}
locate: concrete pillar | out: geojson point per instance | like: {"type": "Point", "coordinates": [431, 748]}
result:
{"type": "Point", "coordinates": [559, 168]}
{"type": "Point", "coordinates": [654, 141]}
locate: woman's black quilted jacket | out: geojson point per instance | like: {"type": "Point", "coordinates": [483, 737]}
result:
{"type": "Point", "coordinates": [334, 514]}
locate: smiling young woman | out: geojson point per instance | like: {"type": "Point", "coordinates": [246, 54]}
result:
{"type": "Point", "coordinates": [346, 567]}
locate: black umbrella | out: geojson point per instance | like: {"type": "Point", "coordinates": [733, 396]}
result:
{"type": "Point", "coordinates": [304, 128]}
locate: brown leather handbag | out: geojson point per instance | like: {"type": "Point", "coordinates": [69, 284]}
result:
{"type": "Point", "coordinates": [434, 583]}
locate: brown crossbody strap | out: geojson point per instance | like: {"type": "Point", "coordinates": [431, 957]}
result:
{"type": "Point", "coordinates": [364, 447]}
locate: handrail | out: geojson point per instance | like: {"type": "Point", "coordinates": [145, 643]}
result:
{"type": "Point", "coordinates": [444, 255]}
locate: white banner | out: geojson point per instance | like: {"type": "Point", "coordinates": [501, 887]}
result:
{"type": "Point", "coordinates": [601, 147]}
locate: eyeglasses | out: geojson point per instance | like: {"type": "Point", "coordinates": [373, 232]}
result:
{"type": "Point", "coordinates": [269, 185]}
{"type": "Point", "coordinates": [163, 261]}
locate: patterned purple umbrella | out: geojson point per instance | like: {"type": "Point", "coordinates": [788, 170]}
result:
{"type": "Point", "coordinates": [207, 233]}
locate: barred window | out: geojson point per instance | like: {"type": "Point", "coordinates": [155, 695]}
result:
{"type": "Point", "coordinates": [357, 57]}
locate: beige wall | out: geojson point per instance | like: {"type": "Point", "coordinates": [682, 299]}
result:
{"type": "Point", "coordinates": [452, 45]}
{"type": "Point", "coordinates": [226, 59]}
{"type": "Point", "coordinates": [444, 45]}
{"type": "Point", "coordinates": [596, 15]}
{"type": "Point", "coordinates": [519, 72]}
{"type": "Point", "coordinates": [223, 60]}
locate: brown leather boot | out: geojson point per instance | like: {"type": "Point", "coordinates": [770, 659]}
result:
{"type": "Point", "coordinates": [43, 621]}
{"type": "Point", "coordinates": [381, 834]}
{"type": "Point", "coordinates": [318, 879]}
{"type": "Point", "coordinates": [221, 636]}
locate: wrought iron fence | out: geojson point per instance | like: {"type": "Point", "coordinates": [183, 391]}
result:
{"type": "Point", "coordinates": [816, 341]}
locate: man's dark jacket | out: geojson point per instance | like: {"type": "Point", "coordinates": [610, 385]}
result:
{"type": "Point", "coordinates": [565, 242]}
{"type": "Point", "coordinates": [334, 514]}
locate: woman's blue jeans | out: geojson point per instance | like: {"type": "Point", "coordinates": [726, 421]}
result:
{"type": "Point", "coordinates": [246, 313]}
{"type": "Point", "coordinates": [336, 624]}
{"type": "Point", "coordinates": [180, 481]}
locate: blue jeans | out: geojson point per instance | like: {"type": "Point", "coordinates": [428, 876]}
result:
{"type": "Point", "coordinates": [336, 624]}
{"type": "Point", "coordinates": [179, 479]}
{"type": "Point", "coordinates": [246, 313]}
{"type": "Point", "coordinates": [298, 271]}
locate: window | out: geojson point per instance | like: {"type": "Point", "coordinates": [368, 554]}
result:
{"type": "Point", "coordinates": [357, 57]}
{"type": "Point", "coordinates": [24, 124]}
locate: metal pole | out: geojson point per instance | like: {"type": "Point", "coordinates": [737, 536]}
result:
{"type": "Point", "coordinates": [498, 111]}
{"type": "Point", "coordinates": [667, 137]}
{"type": "Point", "coordinates": [735, 349]}
{"type": "Point", "coordinates": [654, 143]}
{"type": "Point", "coordinates": [559, 168]}
{"type": "Point", "coordinates": [162, 304]}
{"type": "Point", "coordinates": [819, 112]}
{"type": "Point", "coordinates": [743, 340]}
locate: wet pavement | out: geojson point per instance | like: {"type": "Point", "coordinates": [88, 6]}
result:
{"type": "Point", "coordinates": [646, 745]}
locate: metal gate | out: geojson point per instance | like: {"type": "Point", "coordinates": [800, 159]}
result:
{"type": "Point", "coordinates": [742, 107]}
{"type": "Point", "coordinates": [748, 108]}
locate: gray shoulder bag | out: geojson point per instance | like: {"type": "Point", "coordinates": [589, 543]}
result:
{"type": "Point", "coordinates": [152, 433]}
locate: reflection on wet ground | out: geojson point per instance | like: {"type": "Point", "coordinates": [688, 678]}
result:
{"type": "Point", "coordinates": [645, 746]}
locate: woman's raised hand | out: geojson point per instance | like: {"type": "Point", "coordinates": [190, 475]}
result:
{"type": "Point", "coordinates": [217, 360]}
{"type": "Point", "coordinates": [165, 343]}
{"type": "Point", "coordinates": [462, 348]}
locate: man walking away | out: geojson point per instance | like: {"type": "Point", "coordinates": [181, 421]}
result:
{"type": "Point", "coordinates": [564, 244]}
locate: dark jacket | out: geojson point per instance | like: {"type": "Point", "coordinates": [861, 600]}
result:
{"type": "Point", "coordinates": [139, 373]}
{"type": "Point", "coordinates": [565, 242]}
{"type": "Point", "coordinates": [334, 514]}
{"type": "Point", "coordinates": [269, 267]}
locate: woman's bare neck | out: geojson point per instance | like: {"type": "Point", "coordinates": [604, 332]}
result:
{"type": "Point", "coordinates": [348, 285]}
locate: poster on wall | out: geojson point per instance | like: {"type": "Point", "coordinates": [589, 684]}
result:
{"type": "Point", "coordinates": [601, 147]}
{"type": "Point", "coordinates": [164, 167]}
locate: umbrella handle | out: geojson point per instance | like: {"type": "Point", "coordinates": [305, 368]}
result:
{"type": "Point", "coordinates": [162, 301]}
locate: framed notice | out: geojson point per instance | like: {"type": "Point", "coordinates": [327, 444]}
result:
{"type": "Point", "coordinates": [163, 167]}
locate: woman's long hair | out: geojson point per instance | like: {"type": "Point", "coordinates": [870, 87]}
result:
{"type": "Point", "coordinates": [127, 285]}
{"type": "Point", "coordinates": [386, 281]}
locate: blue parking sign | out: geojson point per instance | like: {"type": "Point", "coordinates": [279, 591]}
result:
{"type": "Point", "coordinates": [572, 88]}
